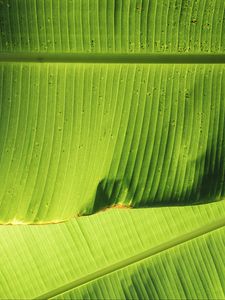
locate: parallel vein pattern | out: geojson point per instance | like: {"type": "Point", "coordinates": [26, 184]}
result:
{"type": "Point", "coordinates": [112, 26]}
{"type": "Point", "coordinates": [199, 262]}
{"type": "Point", "coordinates": [38, 261]}
{"type": "Point", "coordinates": [76, 138]}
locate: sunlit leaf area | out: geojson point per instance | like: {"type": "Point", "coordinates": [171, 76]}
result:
{"type": "Point", "coordinates": [112, 149]}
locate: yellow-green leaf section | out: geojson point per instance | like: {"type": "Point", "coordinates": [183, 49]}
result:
{"type": "Point", "coordinates": [75, 138]}
{"type": "Point", "coordinates": [95, 113]}
{"type": "Point", "coordinates": [155, 253]}
{"type": "Point", "coordinates": [112, 26]}
{"type": "Point", "coordinates": [112, 103]}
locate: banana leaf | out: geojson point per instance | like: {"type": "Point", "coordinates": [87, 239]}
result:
{"type": "Point", "coordinates": [112, 105]}
{"type": "Point", "coordinates": [146, 253]}
{"type": "Point", "coordinates": [94, 115]}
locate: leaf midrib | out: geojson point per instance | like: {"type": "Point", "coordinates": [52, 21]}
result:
{"type": "Point", "coordinates": [136, 258]}
{"type": "Point", "coordinates": [113, 58]}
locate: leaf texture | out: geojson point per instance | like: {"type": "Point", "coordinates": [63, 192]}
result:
{"type": "Point", "coordinates": [112, 26]}
{"type": "Point", "coordinates": [191, 271]}
{"type": "Point", "coordinates": [76, 138]}
{"type": "Point", "coordinates": [168, 255]}
{"type": "Point", "coordinates": [109, 103]}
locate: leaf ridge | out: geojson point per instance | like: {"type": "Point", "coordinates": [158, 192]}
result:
{"type": "Point", "coordinates": [104, 58]}
{"type": "Point", "coordinates": [136, 258]}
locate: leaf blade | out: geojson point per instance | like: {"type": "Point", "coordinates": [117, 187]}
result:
{"type": "Point", "coordinates": [33, 254]}
{"type": "Point", "coordinates": [112, 27]}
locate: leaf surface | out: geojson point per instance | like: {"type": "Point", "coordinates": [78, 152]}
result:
{"type": "Point", "coordinates": [170, 252]}
{"type": "Point", "coordinates": [112, 26]}
{"type": "Point", "coordinates": [120, 104]}
{"type": "Point", "coordinates": [76, 138]}
{"type": "Point", "coordinates": [79, 133]}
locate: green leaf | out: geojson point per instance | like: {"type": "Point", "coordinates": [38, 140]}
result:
{"type": "Point", "coordinates": [77, 137]}
{"type": "Point", "coordinates": [156, 253]}
{"type": "Point", "coordinates": [112, 26]}
{"type": "Point", "coordinates": [109, 103]}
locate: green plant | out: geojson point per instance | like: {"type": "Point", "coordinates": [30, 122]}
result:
{"type": "Point", "coordinates": [120, 105]}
